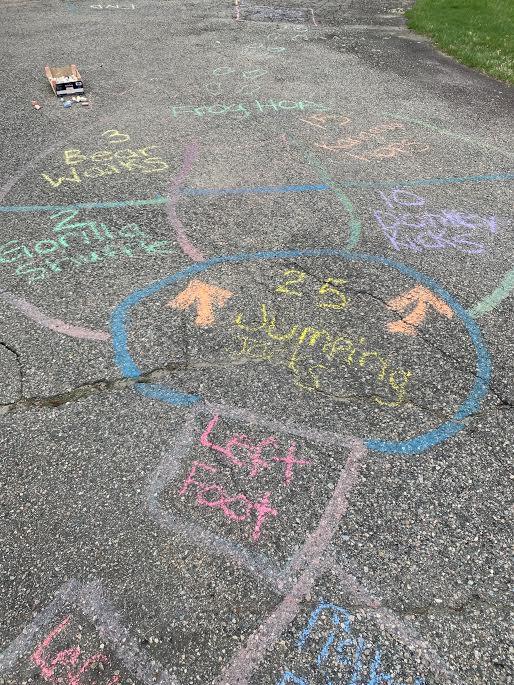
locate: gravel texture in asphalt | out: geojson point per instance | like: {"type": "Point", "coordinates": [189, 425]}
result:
{"type": "Point", "coordinates": [256, 349]}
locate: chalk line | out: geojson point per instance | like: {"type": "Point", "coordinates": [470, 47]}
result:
{"type": "Point", "coordinates": [24, 169]}
{"type": "Point", "coordinates": [488, 303]}
{"type": "Point", "coordinates": [247, 659]}
{"type": "Point", "coordinates": [9, 185]}
{"type": "Point", "coordinates": [318, 541]}
{"type": "Point", "coordinates": [28, 309]}
{"type": "Point", "coordinates": [160, 200]}
{"type": "Point", "coordinates": [98, 609]}
{"type": "Point", "coordinates": [355, 224]}
{"type": "Point", "coordinates": [194, 533]}
{"type": "Point", "coordinates": [259, 564]}
{"type": "Point", "coordinates": [55, 325]}
{"type": "Point", "coordinates": [190, 155]}
{"type": "Point", "coordinates": [27, 638]}
{"type": "Point", "coordinates": [90, 599]}
{"type": "Point", "coordinates": [250, 190]}
{"type": "Point", "coordinates": [450, 134]}
{"type": "Point", "coordinates": [393, 624]}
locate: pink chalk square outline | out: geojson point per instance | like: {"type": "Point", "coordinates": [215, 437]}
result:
{"type": "Point", "coordinates": [90, 600]}
{"type": "Point", "coordinates": [316, 541]}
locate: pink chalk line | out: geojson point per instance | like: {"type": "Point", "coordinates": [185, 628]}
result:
{"type": "Point", "coordinates": [246, 660]}
{"type": "Point", "coordinates": [55, 325]}
{"type": "Point", "coordinates": [317, 558]}
{"type": "Point", "coordinates": [190, 156]}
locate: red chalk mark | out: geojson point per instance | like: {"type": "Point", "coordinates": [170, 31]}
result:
{"type": "Point", "coordinates": [255, 451]}
{"type": "Point", "coordinates": [38, 657]}
{"type": "Point", "coordinates": [258, 463]}
{"type": "Point", "coordinates": [67, 658]}
{"type": "Point", "coordinates": [224, 500]}
{"type": "Point", "coordinates": [289, 461]}
{"type": "Point", "coordinates": [190, 480]}
{"type": "Point", "coordinates": [55, 325]}
{"type": "Point", "coordinates": [190, 156]}
{"type": "Point", "coordinates": [263, 510]}
{"type": "Point", "coordinates": [235, 441]}
{"type": "Point", "coordinates": [420, 298]}
{"type": "Point", "coordinates": [91, 601]}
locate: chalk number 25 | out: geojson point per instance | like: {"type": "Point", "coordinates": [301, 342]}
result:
{"type": "Point", "coordinates": [331, 294]}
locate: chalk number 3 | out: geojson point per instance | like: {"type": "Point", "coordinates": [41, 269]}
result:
{"type": "Point", "coordinates": [115, 136]}
{"type": "Point", "coordinates": [331, 294]}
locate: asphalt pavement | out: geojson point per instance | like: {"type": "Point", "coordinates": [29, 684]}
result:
{"type": "Point", "coordinates": [256, 349]}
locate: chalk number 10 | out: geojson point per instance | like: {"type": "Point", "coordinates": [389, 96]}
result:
{"type": "Point", "coordinates": [332, 295]}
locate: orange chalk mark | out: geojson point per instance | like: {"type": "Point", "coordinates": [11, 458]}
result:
{"type": "Point", "coordinates": [421, 299]}
{"type": "Point", "coordinates": [204, 297]}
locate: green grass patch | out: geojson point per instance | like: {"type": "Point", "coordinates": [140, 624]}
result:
{"type": "Point", "coordinates": [479, 33]}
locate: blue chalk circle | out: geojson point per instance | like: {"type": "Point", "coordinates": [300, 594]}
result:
{"type": "Point", "coordinates": [471, 405]}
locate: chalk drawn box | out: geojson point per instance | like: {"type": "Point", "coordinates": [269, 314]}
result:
{"type": "Point", "coordinates": [79, 631]}
{"type": "Point", "coordinates": [291, 544]}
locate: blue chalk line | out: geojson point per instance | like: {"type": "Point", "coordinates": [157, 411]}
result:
{"type": "Point", "coordinates": [250, 190]}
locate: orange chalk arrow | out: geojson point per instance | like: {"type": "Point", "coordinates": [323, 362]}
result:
{"type": "Point", "coordinates": [204, 297]}
{"type": "Point", "coordinates": [420, 298]}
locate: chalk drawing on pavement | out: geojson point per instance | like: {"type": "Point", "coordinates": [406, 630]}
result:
{"type": "Point", "coordinates": [331, 626]}
{"type": "Point", "coordinates": [75, 244]}
{"type": "Point", "coordinates": [106, 162]}
{"type": "Point", "coordinates": [120, 322]}
{"type": "Point", "coordinates": [409, 224]}
{"type": "Point", "coordinates": [201, 480]}
{"type": "Point", "coordinates": [35, 644]}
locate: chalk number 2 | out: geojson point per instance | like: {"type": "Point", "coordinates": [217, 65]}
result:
{"type": "Point", "coordinates": [331, 294]}
{"type": "Point", "coordinates": [296, 277]}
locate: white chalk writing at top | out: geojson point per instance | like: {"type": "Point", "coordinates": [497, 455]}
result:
{"type": "Point", "coordinates": [112, 7]}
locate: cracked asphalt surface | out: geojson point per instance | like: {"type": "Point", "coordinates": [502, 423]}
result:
{"type": "Point", "coordinates": [256, 349]}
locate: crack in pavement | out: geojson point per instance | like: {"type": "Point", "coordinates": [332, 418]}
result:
{"type": "Point", "coordinates": [457, 361]}
{"type": "Point", "coordinates": [85, 390]}
{"type": "Point", "coordinates": [17, 356]}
